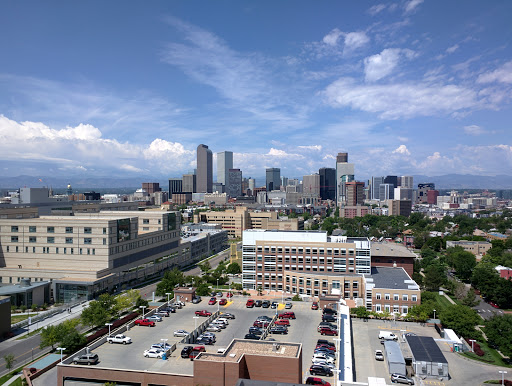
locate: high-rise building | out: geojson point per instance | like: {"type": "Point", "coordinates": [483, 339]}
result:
{"type": "Point", "coordinates": [311, 184]}
{"type": "Point", "coordinates": [327, 183]}
{"type": "Point", "coordinates": [391, 180]}
{"type": "Point", "coordinates": [273, 179]}
{"type": "Point", "coordinates": [402, 193]}
{"type": "Point", "coordinates": [251, 185]}
{"type": "Point", "coordinates": [432, 197]}
{"type": "Point", "coordinates": [204, 178]}
{"type": "Point", "coordinates": [224, 163]}
{"type": "Point", "coordinates": [234, 183]}
{"type": "Point", "coordinates": [151, 187]}
{"type": "Point", "coordinates": [400, 207]}
{"type": "Point", "coordinates": [284, 181]}
{"type": "Point", "coordinates": [407, 182]}
{"type": "Point", "coordinates": [344, 174]}
{"type": "Point", "coordinates": [386, 192]}
{"type": "Point", "coordinates": [355, 193]}
{"type": "Point", "coordinates": [422, 191]}
{"type": "Point", "coordinates": [375, 188]}
{"type": "Point", "coordinates": [175, 186]}
{"type": "Point", "coordinates": [189, 183]}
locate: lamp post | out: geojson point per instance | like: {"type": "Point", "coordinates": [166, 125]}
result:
{"type": "Point", "coordinates": [472, 344]}
{"type": "Point", "coordinates": [434, 314]}
{"type": "Point", "coordinates": [108, 324]}
{"type": "Point", "coordinates": [164, 342]}
{"type": "Point", "coordinates": [143, 311]}
{"type": "Point", "coordinates": [168, 294]}
{"type": "Point", "coordinates": [195, 322]}
{"type": "Point", "coordinates": [61, 349]}
{"type": "Point", "coordinates": [217, 285]}
{"type": "Point", "coordinates": [502, 372]}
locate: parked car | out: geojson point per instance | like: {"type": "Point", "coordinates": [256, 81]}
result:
{"type": "Point", "coordinates": [185, 352]}
{"type": "Point", "coordinates": [219, 294]}
{"type": "Point", "coordinates": [387, 335]}
{"type": "Point", "coordinates": [322, 345]}
{"type": "Point", "coordinates": [119, 338]}
{"type": "Point", "coordinates": [328, 331]}
{"type": "Point", "coordinates": [328, 318]}
{"type": "Point", "coordinates": [326, 324]}
{"type": "Point", "coordinates": [196, 300]}
{"type": "Point", "coordinates": [314, 306]}
{"type": "Point", "coordinates": [86, 359]}
{"type": "Point", "coordinates": [212, 301]}
{"type": "Point", "coordinates": [180, 333]}
{"type": "Point", "coordinates": [378, 355]}
{"type": "Point", "coordinates": [258, 303]}
{"type": "Point", "coordinates": [261, 324]}
{"type": "Point", "coordinates": [325, 352]}
{"type": "Point", "coordinates": [193, 354]}
{"type": "Point", "coordinates": [214, 328]}
{"type": "Point", "coordinates": [288, 305]}
{"type": "Point", "coordinates": [203, 313]}
{"type": "Point", "coordinates": [278, 330]}
{"type": "Point", "coordinates": [210, 334]}
{"type": "Point", "coordinates": [145, 322]}
{"type": "Point", "coordinates": [494, 305]}
{"type": "Point", "coordinates": [329, 311]}
{"type": "Point", "coordinates": [264, 318]}
{"type": "Point", "coordinates": [229, 295]}
{"type": "Point", "coordinates": [214, 293]}
{"type": "Point", "coordinates": [323, 357]}
{"type": "Point", "coordinates": [227, 315]}
{"type": "Point", "coordinates": [162, 346]}
{"type": "Point", "coordinates": [400, 378]}
{"type": "Point", "coordinates": [316, 381]}
{"type": "Point", "coordinates": [282, 322]}
{"type": "Point", "coordinates": [204, 340]}
{"type": "Point", "coordinates": [265, 303]}
{"type": "Point", "coordinates": [252, 336]}
{"type": "Point", "coordinates": [170, 309]}
{"type": "Point", "coordinates": [274, 305]}
{"type": "Point", "coordinates": [256, 330]}
{"type": "Point", "coordinates": [207, 336]}
{"type": "Point", "coordinates": [223, 320]}
{"type": "Point", "coordinates": [332, 366]}
{"type": "Point", "coordinates": [218, 324]}
{"type": "Point", "coordinates": [223, 302]}
{"type": "Point", "coordinates": [250, 303]}
{"type": "Point", "coordinates": [154, 353]}
{"type": "Point", "coordinates": [155, 318]}
{"type": "Point", "coordinates": [320, 370]}
{"type": "Point", "coordinates": [287, 315]}
{"type": "Point", "coordinates": [325, 341]}
{"type": "Point", "coordinates": [163, 313]}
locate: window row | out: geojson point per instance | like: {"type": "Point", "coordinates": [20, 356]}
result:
{"type": "Point", "coordinates": [57, 250]}
{"type": "Point", "coordinates": [396, 297]}
{"type": "Point", "coordinates": [51, 240]}
{"type": "Point", "coordinates": [33, 229]}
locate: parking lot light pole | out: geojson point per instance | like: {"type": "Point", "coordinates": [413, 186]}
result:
{"type": "Point", "coordinates": [195, 322]}
{"type": "Point", "coordinates": [143, 311]}
{"type": "Point", "coordinates": [168, 294]}
{"type": "Point", "coordinates": [502, 372]}
{"type": "Point", "coordinates": [434, 314]}
{"type": "Point", "coordinates": [108, 324]}
{"type": "Point", "coordinates": [61, 349]}
{"type": "Point", "coordinates": [164, 342]}
{"type": "Point", "coordinates": [336, 376]}
{"type": "Point", "coordinates": [472, 344]}
{"type": "Point", "coordinates": [217, 285]}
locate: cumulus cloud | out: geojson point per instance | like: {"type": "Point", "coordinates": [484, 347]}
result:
{"type": "Point", "coordinates": [500, 75]}
{"type": "Point", "coordinates": [332, 37]}
{"type": "Point", "coordinates": [131, 168]}
{"type": "Point", "coordinates": [311, 147]}
{"type": "Point", "coordinates": [402, 149]}
{"type": "Point", "coordinates": [411, 5]}
{"type": "Point", "coordinates": [380, 65]}
{"type": "Point", "coordinates": [349, 40]}
{"type": "Point", "coordinates": [354, 40]}
{"type": "Point", "coordinates": [474, 130]}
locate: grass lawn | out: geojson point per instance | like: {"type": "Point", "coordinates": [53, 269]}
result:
{"type": "Point", "coordinates": [491, 356]}
{"type": "Point", "coordinates": [18, 318]}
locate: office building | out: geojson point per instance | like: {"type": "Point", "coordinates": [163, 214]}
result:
{"type": "Point", "coordinates": [391, 180]}
{"type": "Point", "coordinates": [251, 184]}
{"type": "Point", "coordinates": [354, 193]}
{"type": "Point", "coordinates": [422, 191]}
{"type": "Point", "coordinates": [400, 207]}
{"type": "Point", "coordinates": [151, 187]}
{"type": "Point", "coordinates": [348, 211]}
{"type": "Point", "coordinates": [234, 183]}
{"type": "Point", "coordinates": [327, 183]}
{"type": "Point", "coordinates": [189, 183]}
{"type": "Point", "coordinates": [273, 179]}
{"type": "Point", "coordinates": [477, 248]}
{"type": "Point", "coordinates": [224, 163]}
{"type": "Point", "coordinates": [204, 175]}
{"type": "Point", "coordinates": [375, 187]}
{"type": "Point", "coordinates": [284, 181]}
{"type": "Point", "coordinates": [402, 193]}
{"type": "Point", "coordinates": [344, 174]}
{"type": "Point", "coordinates": [432, 197]}
{"type": "Point", "coordinates": [407, 182]}
{"type": "Point", "coordinates": [175, 186]}
{"type": "Point", "coordinates": [311, 184]}
{"type": "Point", "coordinates": [217, 187]}
{"type": "Point", "coordinates": [386, 192]}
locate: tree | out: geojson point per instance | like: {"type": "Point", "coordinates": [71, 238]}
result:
{"type": "Point", "coordinates": [73, 340]}
{"type": "Point", "coordinates": [461, 319]}
{"type": "Point", "coordinates": [435, 277]}
{"type": "Point", "coordinates": [233, 268]}
{"type": "Point", "coordinates": [470, 299]}
{"type": "Point", "coordinates": [170, 280]}
{"type": "Point", "coordinates": [296, 298]}
{"type": "Point", "coordinates": [360, 312]}
{"type": "Point", "coordinates": [95, 314]}
{"type": "Point", "coordinates": [205, 267]}
{"type": "Point", "coordinates": [49, 336]}
{"type": "Point", "coordinates": [203, 290]}
{"type": "Point", "coordinates": [499, 332]}
{"type": "Point", "coordinates": [141, 302]}
{"type": "Point", "coordinates": [9, 361]}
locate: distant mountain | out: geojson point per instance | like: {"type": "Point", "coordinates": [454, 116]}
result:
{"type": "Point", "coordinates": [467, 181]}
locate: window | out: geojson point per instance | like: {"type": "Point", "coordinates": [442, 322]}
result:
{"type": "Point", "coordinates": [104, 231]}
{"type": "Point", "coordinates": [32, 229]}
{"type": "Point", "coordinates": [104, 241]}
{"type": "Point", "coordinates": [387, 296]}
{"type": "Point", "coordinates": [414, 298]}
{"type": "Point", "coordinates": [377, 296]}
{"type": "Point", "coordinates": [32, 239]}
{"type": "Point", "coordinates": [50, 240]}
{"type": "Point", "coordinates": [145, 221]}
{"type": "Point", "coordinates": [69, 240]}
{"type": "Point", "coordinates": [395, 297]}
{"type": "Point", "coordinates": [88, 230]}
{"type": "Point", "coordinates": [87, 240]}
{"type": "Point", "coordinates": [50, 229]}
{"type": "Point", "coordinates": [14, 239]}
{"type": "Point", "coordinates": [14, 229]}
{"type": "Point", "coordinates": [69, 229]}
{"type": "Point", "coordinates": [405, 297]}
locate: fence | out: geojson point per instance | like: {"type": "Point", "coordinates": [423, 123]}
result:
{"type": "Point", "coordinates": [45, 314]}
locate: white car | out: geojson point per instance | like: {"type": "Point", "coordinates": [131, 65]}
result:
{"type": "Point", "coordinates": [288, 305]}
{"type": "Point", "coordinates": [323, 363]}
{"type": "Point", "coordinates": [180, 333]}
{"type": "Point", "coordinates": [218, 324]}
{"type": "Point", "coordinates": [214, 328]}
{"type": "Point", "coordinates": [222, 320]}
{"type": "Point", "coordinates": [322, 357]}
{"type": "Point", "coordinates": [161, 346]}
{"type": "Point", "coordinates": [154, 353]}
{"type": "Point", "coordinates": [119, 338]}
{"type": "Point", "coordinates": [210, 334]}
{"type": "Point", "coordinates": [378, 355]}
{"type": "Point", "coordinates": [155, 318]}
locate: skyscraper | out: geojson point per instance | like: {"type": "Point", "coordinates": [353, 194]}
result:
{"type": "Point", "coordinates": [273, 179]}
{"type": "Point", "coordinates": [234, 183]}
{"type": "Point", "coordinates": [423, 190]}
{"type": "Point", "coordinates": [175, 186]}
{"type": "Point", "coordinates": [386, 192]}
{"type": "Point", "coordinates": [224, 163]}
{"type": "Point", "coordinates": [311, 184]}
{"type": "Point", "coordinates": [189, 183]}
{"type": "Point", "coordinates": [344, 174]}
{"type": "Point", "coordinates": [355, 193]}
{"type": "Point", "coordinates": [407, 182]}
{"type": "Point", "coordinates": [391, 180]}
{"type": "Point", "coordinates": [375, 192]}
{"type": "Point", "coordinates": [204, 178]}
{"type": "Point", "coordinates": [327, 183]}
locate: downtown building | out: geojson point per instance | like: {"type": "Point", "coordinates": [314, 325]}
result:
{"type": "Point", "coordinates": [204, 175]}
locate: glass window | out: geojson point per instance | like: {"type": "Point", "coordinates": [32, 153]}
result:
{"type": "Point", "coordinates": [32, 239]}
{"type": "Point", "coordinates": [69, 240]}
{"type": "Point", "coordinates": [104, 231]}
{"type": "Point", "coordinates": [50, 240]}
{"type": "Point", "coordinates": [14, 229]}
{"type": "Point", "coordinates": [87, 240]}
{"type": "Point", "coordinates": [377, 296]}
{"type": "Point", "coordinates": [414, 298]}
{"type": "Point", "coordinates": [32, 229]}
{"type": "Point", "coordinates": [69, 229]}
{"type": "Point", "coordinates": [387, 296]}
{"type": "Point", "coordinates": [145, 221]}
{"type": "Point", "coordinates": [14, 239]}
{"type": "Point", "coordinates": [395, 297]}
{"type": "Point", "coordinates": [50, 229]}
{"type": "Point", "coordinates": [88, 230]}
{"type": "Point", "coordinates": [405, 297]}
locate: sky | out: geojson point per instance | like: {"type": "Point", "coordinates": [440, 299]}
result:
{"type": "Point", "coordinates": [127, 89]}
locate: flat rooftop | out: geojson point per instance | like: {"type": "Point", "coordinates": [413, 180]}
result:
{"type": "Point", "coordinates": [391, 278]}
{"type": "Point", "coordinates": [390, 250]}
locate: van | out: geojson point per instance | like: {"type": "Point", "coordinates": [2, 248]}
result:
{"type": "Point", "coordinates": [388, 335]}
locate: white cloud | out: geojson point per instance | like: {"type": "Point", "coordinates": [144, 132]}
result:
{"type": "Point", "coordinates": [377, 8]}
{"type": "Point", "coordinates": [452, 49]}
{"type": "Point", "coordinates": [282, 154]}
{"type": "Point", "coordinates": [401, 100]}
{"type": "Point", "coordinates": [131, 168]}
{"type": "Point", "coordinates": [380, 65]}
{"type": "Point", "coordinates": [311, 147]}
{"type": "Point", "coordinates": [474, 130]}
{"type": "Point", "coordinates": [402, 149]}
{"type": "Point", "coordinates": [354, 40]}
{"type": "Point", "coordinates": [411, 5]}
{"type": "Point", "coordinates": [331, 39]}
{"type": "Point", "coordinates": [403, 139]}
{"type": "Point", "coordinates": [500, 75]}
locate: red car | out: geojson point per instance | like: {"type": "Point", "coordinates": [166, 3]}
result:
{"type": "Point", "coordinates": [144, 322]}
{"type": "Point", "coordinates": [287, 315]}
{"type": "Point", "coordinates": [196, 351]}
{"type": "Point", "coordinates": [327, 346]}
{"type": "Point", "coordinates": [223, 302]}
{"type": "Point", "coordinates": [203, 313]}
{"type": "Point", "coordinates": [229, 295]}
{"type": "Point", "coordinates": [250, 303]}
{"type": "Point", "coordinates": [314, 306]}
{"type": "Point", "coordinates": [328, 331]}
{"type": "Point", "coordinates": [317, 381]}
{"type": "Point", "coordinates": [260, 324]}
{"type": "Point", "coordinates": [212, 301]}
{"type": "Point", "coordinates": [494, 305]}
{"type": "Point", "coordinates": [282, 322]}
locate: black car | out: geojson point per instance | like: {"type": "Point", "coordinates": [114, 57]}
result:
{"type": "Point", "coordinates": [258, 303]}
{"type": "Point", "coordinates": [204, 340]}
{"type": "Point", "coordinates": [320, 370]}
{"type": "Point", "coordinates": [278, 330]}
{"type": "Point", "coordinates": [265, 304]}
{"type": "Point", "coordinates": [329, 311]}
{"type": "Point", "coordinates": [252, 336]}
{"type": "Point", "coordinates": [256, 331]}
{"type": "Point", "coordinates": [264, 317]}
{"type": "Point", "coordinates": [328, 318]}
{"type": "Point", "coordinates": [186, 351]}
{"type": "Point", "coordinates": [169, 309]}
{"type": "Point", "coordinates": [325, 341]}
{"type": "Point", "coordinates": [327, 325]}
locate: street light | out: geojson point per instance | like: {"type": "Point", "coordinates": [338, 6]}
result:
{"type": "Point", "coordinates": [434, 314]}
{"type": "Point", "coordinates": [164, 342]}
{"type": "Point", "coordinates": [108, 324]}
{"type": "Point", "coordinates": [502, 372]}
{"type": "Point", "coordinates": [217, 285]}
{"type": "Point", "coordinates": [472, 344]}
{"type": "Point", "coordinates": [143, 311]}
{"type": "Point", "coordinates": [61, 349]}
{"type": "Point", "coordinates": [168, 294]}
{"type": "Point", "coordinates": [195, 322]}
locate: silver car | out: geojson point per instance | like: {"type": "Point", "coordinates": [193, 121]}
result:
{"type": "Point", "coordinates": [288, 305]}
{"type": "Point", "coordinates": [155, 318]}
{"type": "Point", "coordinates": [180, 333]}
{"type": "Point", "coordinates": [400, 378]}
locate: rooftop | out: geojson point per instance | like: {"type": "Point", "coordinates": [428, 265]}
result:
{"type": "Point", "coordinates": [425, 349]}
{"type": "Point", "coordinates": [391, 277]}
{"type": "Point", "coordinates": [391, 250]}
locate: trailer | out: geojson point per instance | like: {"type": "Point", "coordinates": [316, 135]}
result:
{"type": "Point", "coordinates": [394, 358]}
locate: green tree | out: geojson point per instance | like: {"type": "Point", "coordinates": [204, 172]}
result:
{"type": "Point", "coordinates": [203, 290]}
{"type": "Point", "coordinates": [141, 302]}
{"type": "Point", "coordinates": [205, 267]}
{"type": "Point", "coordinates": [435, 277]}
{"type": "Point", "coordinates": [360, 312]}
{"type": "Point", "coordinates": [73, 340]}
{"type": "Point", "coordinates": [470, 299]}
{"type": "Point", "coordinates": [461, 319]}
{"type": "Point", "coordinates": [49, 336]}
{"type": "Point", "coordinates": [233, 268]}
{"type": "Point", "coordinates": [9, 361]}
{"type": "Point", "coordinates": [296, 298]}
{"type": "Point", "coordinates": [499, 332]}
{"type": "Point", "coordinates": [95, 315]}
{"type": "Point", "coordinates": [170, 280]}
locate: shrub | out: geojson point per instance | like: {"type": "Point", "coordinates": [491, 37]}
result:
{"type": "Point", "coordinates": [479, 352]}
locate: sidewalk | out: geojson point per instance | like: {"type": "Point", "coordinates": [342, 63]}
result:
{"type": "Point", "coordinates": [13, 379]}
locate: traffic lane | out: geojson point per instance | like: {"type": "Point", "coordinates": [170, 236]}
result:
{"type": "Point", "coordinates": [485, 310]}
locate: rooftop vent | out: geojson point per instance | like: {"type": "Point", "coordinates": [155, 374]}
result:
{"type": "Point", "coordinates": [25, 283]}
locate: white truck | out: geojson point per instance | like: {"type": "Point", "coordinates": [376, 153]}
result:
{"type": "Point", "coordinates": [388, 335]}
{"type": "Point", "coordinates": [119, 338]}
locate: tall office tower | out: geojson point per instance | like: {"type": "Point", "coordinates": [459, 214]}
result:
{"type": "Point", "coordinates": [189, 183]}
{"type": "Point", "coordinates": [386, 192]}
{"type": "Point", "coordinates": [311, 184]}
{"type": "Point", "coordinates": [327, 183]}
{"type": "Point", "coordinates": [175, 186]}
{"type": "Point", "coordinates": [432, 197]}
{"type": "Point", "coordinates": [422, 191]}
{"type": "Point", "coordinates": [293, 182]}
{"type": "Point", "coordinates": [375, 192]}
{"type": "Point", "coordinates": [344, 174]}
{"type": "Point", "coordinates": [251, 185]}
{"type": "Point", "coordinates": [273, 179]}
{"type": "Point", "coordinates": [204, 177]}
{"type": "Point", "coordinates": [355, 193]}
{"type": "Point", "coordinates": [224, 163]}
{"type": "Point", "coordinates": [391, 180]}
{"type": "Point", "coordinates": [284, 181]}
{"type": "Point", "coordinates": [151, 187]}
{"type": "Point", "coordinates": [217, 187]}
{"type": "Point", "coordinates": [402, 193]}
{"type": "Point", "coordinates": [407, 182]}
{"type": "Point", "coordinates": [234, 183]}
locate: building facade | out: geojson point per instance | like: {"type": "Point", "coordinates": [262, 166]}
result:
{"type": "Point", "coordinates": [224, 163]}
{"type": "Point", "coordinates": [311, 184]}
{"type": "Point", "coordinates": [175, 186]}
{"type": "Point", "coordinates": [344, 174]}
{"type": "Point", "coordinates": [422, 191]}
{"type": "Point", "coordinates": [327, 183]}
{"type": "Point", "coordinates": [189, 183]}
{"type": "Point", "coordinates": [204, 175]}
{"type": "Point", "coordinates": [273, 179]}
{"type": "Point", "coordinates": [355, 193]}
{"type": "Point", "coordinates": [234, 183]}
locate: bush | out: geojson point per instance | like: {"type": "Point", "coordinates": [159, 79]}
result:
{"type": "Point", "coordinates": [479, 352]}
{"type": "Point", "coordinates": [23, 308]}
{"type": "Point", "coordinates": [296, 298]}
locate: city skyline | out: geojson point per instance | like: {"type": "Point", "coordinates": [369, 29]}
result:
{"type": "Point", "coordinates": [406, 87]}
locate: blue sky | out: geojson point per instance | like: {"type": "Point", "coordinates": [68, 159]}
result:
{"type": "Point", "coordinates": [130, 88]}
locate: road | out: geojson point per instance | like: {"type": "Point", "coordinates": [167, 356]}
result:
{"type": "Point", "coordinates": [486, 311]}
